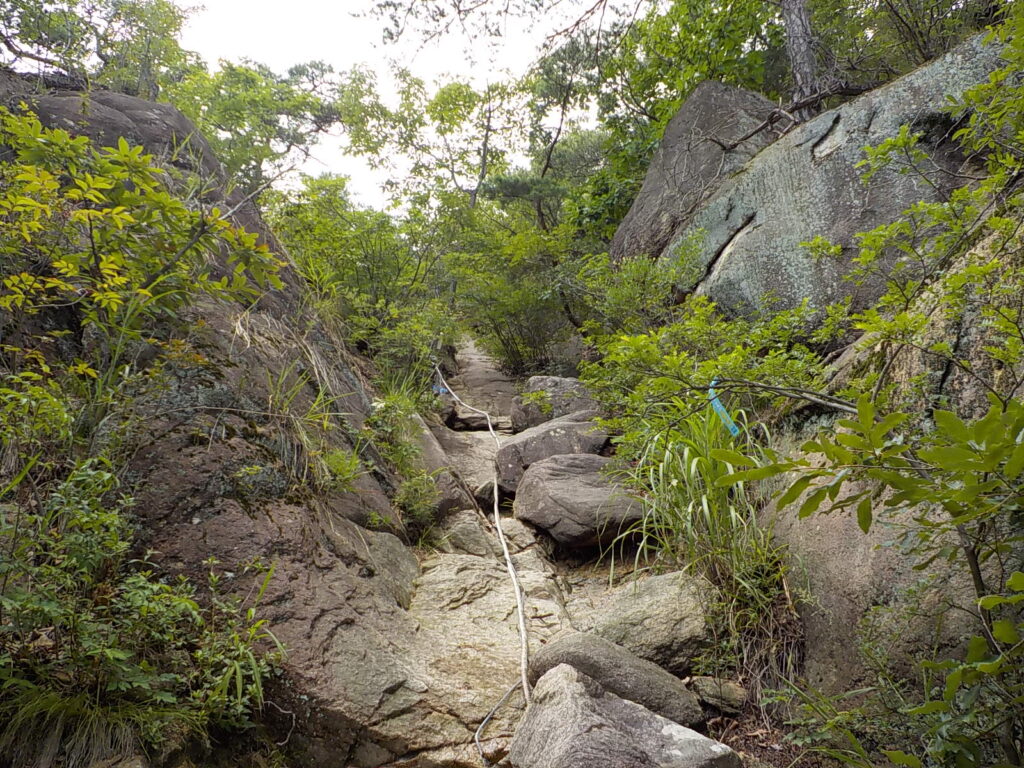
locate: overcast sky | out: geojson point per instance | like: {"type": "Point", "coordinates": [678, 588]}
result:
{"type": "Point", "coordinates": [280, 34]}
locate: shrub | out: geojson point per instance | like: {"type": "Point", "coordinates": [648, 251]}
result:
{"type": "Point", "coordinates": [99, 656]}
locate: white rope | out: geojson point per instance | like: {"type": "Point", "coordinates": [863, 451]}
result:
{"type": "Point", "coordinates": [524, 643]}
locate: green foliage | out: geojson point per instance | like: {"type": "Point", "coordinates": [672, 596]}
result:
{"type": "Point", "coordinates": [691, 521]}
{"type": "Point", "coordinates": [393, 428]}
{"type": "Point", "coordinates": [656, 385]}
{"type": "Point", "coordinates": [128, 250]}
{"type": "Point", "coordinates": [452, 138]}
{"type": "Point", "coordinates": [257, 120]}
{"type": "Point", "coordinates": [868, 43]}
{"type": "Point", "coordinates": [677, 45]}
{"type": "Point", "coordinates": [955, 480]}
{"type": "Point", "coordinates": [417, 498]}
{"type": "Point", "coordinates": [541, 399]}
{"type": "Point", "coordinates": [307, 427]}
{"type": "Point", "coordinates": [97, 235]}
{"type": "Point", "coordinates": [379, 277]}
{"type": "Point", "coordinates": [761, 360]}
{"type": "Point", "coordinates": [100, 257]}
{"type": "Point", "coordinates": [344, 466]}
{"type": "Point", "coordinates": [95, 650]}
{"type": "Point", "coordinates": [128, 45]}
{"type": "Point", "coordinates": [634, 294]}
{"type": "Point", "coordinates": [514, 295]}
{"type": "Point", "coordinates": [963, 483]}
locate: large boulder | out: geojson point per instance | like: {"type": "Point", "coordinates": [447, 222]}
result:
{"type": "Point", "coordinates": [806, 184]}
{"type": "Point", "coordinates": [620, 672]}
{"type": "Point", "coordinates": [658, 618]}
{"type": "Point", "coordinates": [549, 397]}
{"type": "Point", "coordinates": [572, 498]}
{"type": "Point", "coordinates": [573, 722]}
{"type": "Point", "coordinates": [708, 140]}
{"type": "Point", "coordinates": [575, 433]}
{"type": "Point", "coordinates": [452, 492]}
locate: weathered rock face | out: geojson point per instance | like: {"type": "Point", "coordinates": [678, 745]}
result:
{"type": "Point", "coordinates": [572, 499]}
{"type": "Point", "coordinates": [433, 459]}
{"type": "Point", "coordinates": [726, 696]}
{"type": "Point", "coordinates": [482, 386]}
{"type": "Point", "coordinates": [573, 722]}
{"type": "Point", "coordinates": [692, 162]}
{"type": "Point", "coordinates": [559, 396]}
{"type": "Point", "coordinates": [806, 184]}
{"type": "Point", "coordinates": [658, 618]}
{"type": "Point", "coordinates": [575, 433]}
{"type": "Point", "coordinates": [620, 672]}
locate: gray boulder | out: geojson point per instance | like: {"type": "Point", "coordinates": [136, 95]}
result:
{"type": "Point", "coordinates": [621, 673]}
{"type": "Point", "coordinates": [575, 433]}
{"type": "Point", "coordinates": [658, 618]}
{"type": "Point", "coordinates": [573, 722]}
{"type": "Point", "coordinates": [552, 397]}
{"type": "Point", "coordinates": [726, 696]}
{"type": "Point", "coordinates": [750, 229]}
{"type": "Point", "coordinates": [434, 460]}
{"type": "Point", "coordinates": [691, 163]}
{"type": "Point", "coordinates": [574, 501]}
{"type": "Point", "coordinates": [464, 533]}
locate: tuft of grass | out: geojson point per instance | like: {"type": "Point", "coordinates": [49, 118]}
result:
{"type": "Point", "coordinates": [692, 523]}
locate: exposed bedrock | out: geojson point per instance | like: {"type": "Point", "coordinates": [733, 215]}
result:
{"type": "Point", "coordinates": [749, 215]}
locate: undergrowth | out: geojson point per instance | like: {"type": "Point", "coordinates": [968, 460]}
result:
{"type": "Point", "coordinates": [692, 523]}
{"type": "Point", "coordinates": [102, 656]}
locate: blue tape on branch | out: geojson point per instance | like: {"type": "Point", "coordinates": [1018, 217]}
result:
{"type": "Point", "coordinates": [723, 414]}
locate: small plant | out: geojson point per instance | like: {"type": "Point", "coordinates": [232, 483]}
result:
{"type": "Point", "coordinates": [100, 656]}
{"type": "Point", "coordinates": [691, 522]}
{"type": "Point", "coordinates": [417, 499]}
{"type": "Point", "coordinates": [344, 467]}
{"type": "Point", "coordinates": [541, 399]}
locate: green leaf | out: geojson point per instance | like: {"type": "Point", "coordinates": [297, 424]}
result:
{"type": "Point", "coordinates": [793, 492]}
{"type": "Point", "coordinates": [812, 502]}
{"type": "Point", "coordinates": [929, 708]}
{"type": "Point", "coordinates": [949, 457]}
{"type": "Point", "coordinates": [1016, 581]}
{"type": "Point", "coordinates": [1005, 631]}
{"type": "Point", "coordinates": [887, 425]}
{"type": "Point", "coordinates": [758, 473]}
{"type": "Point", "coordinates": [977, 649]}
{"type": "Point", "coordinates": [951, 426]}
{"type": "Point", "coordinates": [864, 516]}
{"type": "Point", "coordinates": [902, 758]}
{"type": "Point", "coordinates": [1015, 464]}
{"type": "Point", "coordinates": [991, 601]}
{"type": "Point", "coordinates": [953, 681]}
{"type": "Point", "coordinates": [733, 457]}
{"type": "Point", "coordinates": [866, 413]}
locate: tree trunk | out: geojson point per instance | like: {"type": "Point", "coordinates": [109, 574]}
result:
{"type": "Point", "coordinates": [800, 48]}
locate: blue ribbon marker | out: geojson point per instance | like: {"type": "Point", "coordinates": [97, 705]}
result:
{"type": "Point", "coordinates": [720, 410]}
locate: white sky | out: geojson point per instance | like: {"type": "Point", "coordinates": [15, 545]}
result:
{"type": "Point", "coordinates": [280, 34]}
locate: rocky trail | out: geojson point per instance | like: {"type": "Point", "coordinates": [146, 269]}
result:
{"type": "Point", "coordinates": [606, 662]}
